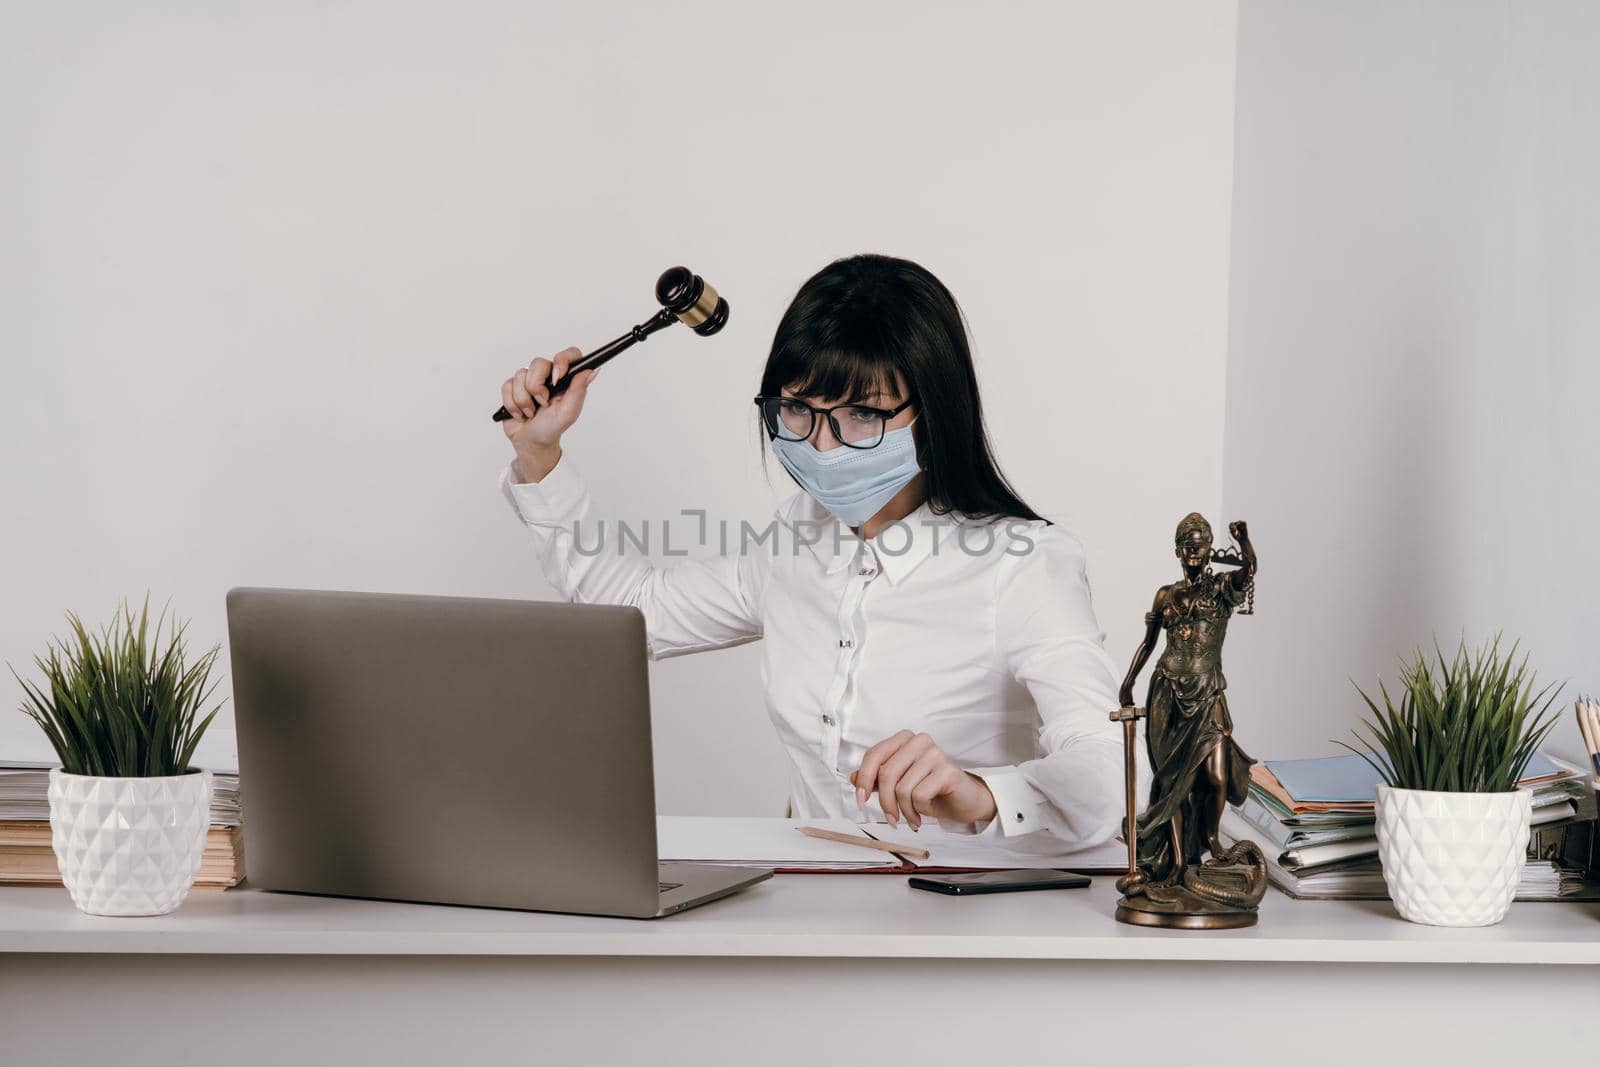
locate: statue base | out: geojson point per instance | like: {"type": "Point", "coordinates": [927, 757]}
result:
{"type": "Point", "coordinates": [1141, 911]}
{"type": "Point", "coordinates": [1219, 894]}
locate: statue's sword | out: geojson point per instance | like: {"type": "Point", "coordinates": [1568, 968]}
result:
{"type": "Point", "coordinates": [1129, 718]}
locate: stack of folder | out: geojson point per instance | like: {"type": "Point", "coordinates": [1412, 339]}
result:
{"type": "Point", "coordinates": [1314, 819]}
{"type": "Point", "coordinates": [26, 856]}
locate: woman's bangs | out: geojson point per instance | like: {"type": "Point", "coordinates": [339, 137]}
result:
{"type": "Point", "coordinates": [853, 377]}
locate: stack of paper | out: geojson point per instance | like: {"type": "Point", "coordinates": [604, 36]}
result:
{"type": "Point", "coordinates": [777, 843]}
{"type": "Point", "coordinates": [26, 856]}
{"type": "Point", "coordinates": [1541, 880]}
{"type": "Point", "coordinates": [1314, 820]}
{"type": "Point", "coordinates": [25, 793]}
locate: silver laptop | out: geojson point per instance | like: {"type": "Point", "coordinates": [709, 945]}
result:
{"type": "Point", "coordinates": [452, 750]}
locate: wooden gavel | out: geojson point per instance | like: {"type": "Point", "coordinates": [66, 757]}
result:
{"type": "Point", "coordinates": [684, 297]}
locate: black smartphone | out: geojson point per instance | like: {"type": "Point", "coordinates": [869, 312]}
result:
{"type": "Point", "coordinates": [961, 885]}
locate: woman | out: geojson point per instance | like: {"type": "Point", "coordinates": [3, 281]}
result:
{"type": "Point", "coordinates": [930, 648]}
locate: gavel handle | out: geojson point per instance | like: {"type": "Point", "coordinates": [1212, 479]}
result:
{"type": "Point", "coordinates": [602, 355]}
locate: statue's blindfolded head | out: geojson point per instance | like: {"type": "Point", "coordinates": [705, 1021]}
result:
{"type": "Point", "coordinates": [1193, 530]}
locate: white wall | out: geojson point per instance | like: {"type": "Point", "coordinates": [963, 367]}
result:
{"type": "Point", "coordinates": [265, 266]}
{"type": "Point", "coordinates": [1413, 378]}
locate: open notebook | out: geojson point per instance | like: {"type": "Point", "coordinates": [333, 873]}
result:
{"type": "Point", "coordinates": [755, 842]}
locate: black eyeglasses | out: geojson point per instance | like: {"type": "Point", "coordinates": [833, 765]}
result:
{"type": "Point", "coordinates": [854, 425]}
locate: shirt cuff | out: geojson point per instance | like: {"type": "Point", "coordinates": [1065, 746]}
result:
{"type": "Point", "coordinates": [558, 497]}
{"type": "Point", "coordinates": [976, 829]}
{"type": "Point", "coordinates": [1018, 808]}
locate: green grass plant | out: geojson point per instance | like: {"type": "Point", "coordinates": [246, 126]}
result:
{"type": "Point", "coordinates": [116, 704]}
{"type": "Point", "coordinates": [1469, 724]}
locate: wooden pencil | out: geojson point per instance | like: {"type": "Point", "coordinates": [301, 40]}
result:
{"type": "Point", "coordinates": [865, 842]}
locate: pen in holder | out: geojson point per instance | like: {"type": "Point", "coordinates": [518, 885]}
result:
{"type": "Point", "coordinates": [1587, 710]}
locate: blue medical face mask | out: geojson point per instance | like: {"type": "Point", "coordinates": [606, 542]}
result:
{"type": "Point", "coordinates": [852, 483]}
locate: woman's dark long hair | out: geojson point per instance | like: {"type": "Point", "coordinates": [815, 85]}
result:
{"type": "Point", "coordinates": [862, 321]}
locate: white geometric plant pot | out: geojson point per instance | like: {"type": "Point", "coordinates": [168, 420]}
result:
{"type": "Point", "coordinates": [1452, 859]}
{"type": "Point", "coordinates": [129, 846]}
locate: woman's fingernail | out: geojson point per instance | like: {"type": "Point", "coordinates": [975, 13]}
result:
{"type": "Point", "coordinates": [861, 797]}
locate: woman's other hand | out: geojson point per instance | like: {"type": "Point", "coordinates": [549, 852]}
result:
{"type": "Point", "coordinates": [538, 420]}
{"type": "Point", "coordinates": [913, 777]}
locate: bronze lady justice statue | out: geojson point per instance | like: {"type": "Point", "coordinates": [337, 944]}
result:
{"type": "Point", "coordinates": [1199, 768]}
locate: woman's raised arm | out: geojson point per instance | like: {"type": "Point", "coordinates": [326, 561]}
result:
{"type": "Point", "coordinates": [690, 606]}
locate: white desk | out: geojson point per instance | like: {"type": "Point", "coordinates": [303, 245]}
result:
{"type": "Point", "coordinates": [800, 969]}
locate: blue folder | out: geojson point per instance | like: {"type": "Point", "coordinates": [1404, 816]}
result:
{"type": "Point", "coordinates": [1352, 780]}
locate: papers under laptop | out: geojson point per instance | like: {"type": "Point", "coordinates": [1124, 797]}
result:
{"type": "Point", "coordinates": [776, 843]}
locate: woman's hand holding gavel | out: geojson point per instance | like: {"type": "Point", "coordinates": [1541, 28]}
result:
{"type": "Point", "coordinates": [538, 404]}
{"type": "Point", "coordinates": [537, 419]}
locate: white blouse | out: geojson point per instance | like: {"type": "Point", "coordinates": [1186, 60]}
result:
{"type": "Point", "coordinates": [980, 634]}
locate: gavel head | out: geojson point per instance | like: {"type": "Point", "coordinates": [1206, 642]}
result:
{"type": "Point", "coordinates": [696, 304]}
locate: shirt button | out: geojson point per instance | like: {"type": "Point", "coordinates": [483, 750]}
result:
{"type": "Point", "coordinates": [829, 720]}
{"type": "Point", "coordinates": [845, 642]}
{"type": "Point", "coordinates": [1019, 816]}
